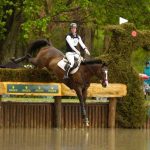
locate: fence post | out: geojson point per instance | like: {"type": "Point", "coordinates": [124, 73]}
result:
{"type": "Point", "coordinates": [0, 111]}
{"type": "Point", "coordinates": [57, 111]}
{"type": "Point", "coordinates": [112, 112]}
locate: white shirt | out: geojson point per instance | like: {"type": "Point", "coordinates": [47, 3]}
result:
{"type": "Point", "coordinates": [74, 41]}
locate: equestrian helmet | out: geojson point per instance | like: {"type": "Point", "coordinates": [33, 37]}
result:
{"type": "Point", "coordinates": [73, 25]}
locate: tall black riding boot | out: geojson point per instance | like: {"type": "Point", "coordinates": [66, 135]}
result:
{"type": "Point", "coordinates": [67, 67]}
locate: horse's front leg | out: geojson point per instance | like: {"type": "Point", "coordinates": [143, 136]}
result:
{"type": "Point", "coordinates": [84, 93]}
{"type": "Point", "coordinates": [82, 105]}
{"type": "Point", "coordinates": [33, 61]}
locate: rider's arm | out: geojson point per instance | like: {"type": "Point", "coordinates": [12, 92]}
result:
{"type": "Point", "coordinates": [83, 45]}
{"type": "Point", "coordinates": [68, 39]}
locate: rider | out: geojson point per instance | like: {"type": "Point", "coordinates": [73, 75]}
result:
{"type": "Point", "coordinates": [73, 40]}
{"type": "Point", "coordinates": [147, 72]}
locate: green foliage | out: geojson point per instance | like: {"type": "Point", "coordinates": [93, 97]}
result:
{"type": "Point", "coordinates": [139, 57]}
{"type": "Point", "coordinates": [98, 43]}
{"type": "Point", "coordinates": [35, 21]}
{"type": "Point", "coordinates": [135, 11]}
{"type": "Point", "coordinates": [36, 28]}
{"type": "Point", "coordinates": [41, 15]}
{"type": "Point", "coordinates": [2, 30]}
{"type": "Point", "coordinates": [31, 9]}
{"type": "Point", "coordinates": [6, 10]}
{"type": "Point", "coordinates": [58, 39]}
{"type": "Point", "coordinates": [27, 75]}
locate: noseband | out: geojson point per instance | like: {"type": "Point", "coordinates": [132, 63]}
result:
{"type": "Point", "coordinates": [105, 72]}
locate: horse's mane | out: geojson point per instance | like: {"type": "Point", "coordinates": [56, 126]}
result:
{"type": "Point", "coordinates": [92, 61]}
{"type": "Point", "coordinates": [38, 44]}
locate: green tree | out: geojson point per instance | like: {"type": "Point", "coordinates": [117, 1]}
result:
{"type": "Point", "coordinates": [24, 20]}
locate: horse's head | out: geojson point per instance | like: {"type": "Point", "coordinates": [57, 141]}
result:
{"type": "Point", "coordinates": [99, 69]}
{"type": "Point", "coordinates": [104, 75]}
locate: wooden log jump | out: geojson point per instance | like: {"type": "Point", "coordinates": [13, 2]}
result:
{"type": "Point", "coordinates": [58, 89]}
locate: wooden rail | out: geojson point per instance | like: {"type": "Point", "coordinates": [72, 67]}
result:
{"type": "Point", "coordinates": [57, 90]}
{"type": "Point", "coordinates": [96, 90]}
{"type": "Point", "coordinates": [42, 115]}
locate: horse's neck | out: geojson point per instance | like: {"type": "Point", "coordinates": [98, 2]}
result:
{"type": "Point", "coordinates": [45, 47]}
{"type": "Point", "coordinates": [92, 70]}
{"type": "Point", "coordinates": [58, 51]}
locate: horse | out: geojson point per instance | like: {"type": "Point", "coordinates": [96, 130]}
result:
{"type": "Point", "coordinates": [48, 56]}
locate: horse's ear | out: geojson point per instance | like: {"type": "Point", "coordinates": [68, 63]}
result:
{"type": "Point", "coordinates": [104, 64]}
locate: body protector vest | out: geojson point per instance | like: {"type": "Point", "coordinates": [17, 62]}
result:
{"type": "Point", "coordinates": [74, 40]}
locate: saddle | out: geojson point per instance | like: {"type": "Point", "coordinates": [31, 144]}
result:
{"type": "Point", "coordinates": [63, 63]}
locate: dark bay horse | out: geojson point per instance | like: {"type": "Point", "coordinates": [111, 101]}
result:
{"type": "Point", "coordinates": [48, 56]}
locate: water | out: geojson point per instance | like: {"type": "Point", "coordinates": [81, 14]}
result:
{"type": "Point", "coordinates": [74, 139]}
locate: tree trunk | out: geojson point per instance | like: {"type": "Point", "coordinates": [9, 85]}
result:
{"type": "Point", "coordinates": [87, 34]}
{"type": "Point", "coordinates": [107, 41]}
{"type": "Point", "coordinates": [12, 46]}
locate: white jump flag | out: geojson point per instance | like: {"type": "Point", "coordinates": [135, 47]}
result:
{"type": "Point", "coordinates": [122, 20]}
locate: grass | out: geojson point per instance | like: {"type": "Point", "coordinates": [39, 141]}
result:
{"type": "Point", "coordinates": [139, 57]}
{"type": "Point", "coordinates": [45, 99]}
{"type": "Point", "coordinates": [147, 101]}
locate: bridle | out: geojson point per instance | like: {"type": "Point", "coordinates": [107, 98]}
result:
{"type": "Point", "coordinates": [105, 73]}
{"type": "Point", "coordinates": [102, 71]}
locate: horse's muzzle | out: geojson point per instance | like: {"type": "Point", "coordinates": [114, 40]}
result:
{"type": "Point", "coordinates": [105, 83]}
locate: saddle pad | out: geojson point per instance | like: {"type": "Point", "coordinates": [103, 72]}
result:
{"type": "Point", "coordinates": [62, 63]}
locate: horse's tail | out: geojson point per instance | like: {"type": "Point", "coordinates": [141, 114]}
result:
{"type": "Point", "coordinates": [38, 44]}
{"type": "Point", "coordinates": [34, 46]}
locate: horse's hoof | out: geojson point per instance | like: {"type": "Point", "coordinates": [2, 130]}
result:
{"type": "Point", "coordinates": [12, 59]}
{"type": "Point", "coordinates": [28, 56]}
{"type": "Point", "coordinates": [87, 124]}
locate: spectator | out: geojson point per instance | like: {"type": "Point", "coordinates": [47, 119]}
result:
{"type": "Point", "coordinates": [147, 72]}
{"type": "Point", "coordinates": [147, 81]}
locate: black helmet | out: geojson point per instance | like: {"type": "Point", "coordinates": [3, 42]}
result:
{"type": "Point", "coordinates": [147, 63]}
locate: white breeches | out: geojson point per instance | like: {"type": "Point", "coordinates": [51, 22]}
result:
{"type": "Point", "coordinates": [70, 56]}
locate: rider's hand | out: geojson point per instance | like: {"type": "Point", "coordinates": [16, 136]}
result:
{"type": "Point", "coordinates": [82, 59]}
{"type": "Point", "coordinates": [78, 53]}
{"type": "Point", "coordinates": [87, 51]}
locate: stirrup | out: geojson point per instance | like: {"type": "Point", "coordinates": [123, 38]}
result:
{"type": "Point", "coordinates": [65, 77]}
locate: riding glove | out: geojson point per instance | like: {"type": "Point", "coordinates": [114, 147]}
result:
{"type": "Point", "coordinates": [87, 51]}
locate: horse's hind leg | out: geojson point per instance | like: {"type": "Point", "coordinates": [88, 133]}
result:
{"type": "Point", "coordinates": [18, 60]}
{"type": "Point", "coordinates": [82, 105]}
{"type": "Point", "coordinates": [33, 61]}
